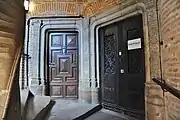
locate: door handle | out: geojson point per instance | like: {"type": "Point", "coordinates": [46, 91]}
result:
{"type": "Point", "coordinates": [122, 71]}
{"type": "Point", "coordinates": [52, 65]}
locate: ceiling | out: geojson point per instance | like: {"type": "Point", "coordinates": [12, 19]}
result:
{"type": "Point", "coordinates": [72, 7]}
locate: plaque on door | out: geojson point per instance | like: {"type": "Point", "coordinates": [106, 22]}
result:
{"type": "Point", "coordinates": [134, 44]}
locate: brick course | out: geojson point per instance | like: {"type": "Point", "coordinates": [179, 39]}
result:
{"type": "Point", "coordinates": [170, 28]}
{"type": "Point", "coordinates": [71, 7]}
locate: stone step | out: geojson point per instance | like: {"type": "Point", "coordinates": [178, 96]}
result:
{"type": "Point", "coordinates": [7, 18]}
{"type": "Point", "coordinates": [6, 48]}
{"type": "Point", "coordinates": [7, 24]}
{"type": "Point", "coordinates": [7, 9]}
{"type": "Point", "coordinates": [7, 29]}
{"type": "Point", "coordinates": [7, 35]}
{"type": "Point", "coordinates": [4, 55]}
{"type": "Point", "coordinates": [25, 95]}
{"type": "Point", "coordinates": [37, 107]}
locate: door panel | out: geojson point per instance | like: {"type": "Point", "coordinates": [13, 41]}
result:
{"type": "Point", "coordinates": [134, 63]}
{"type": "Point", "coordinates": [108, 49]}
{"type": "Point", "coordinates": [63, 76]}
{"type": "Point", "coordinates": [109, 67]}
{"type": "Point", "coordinates": [122, 70]}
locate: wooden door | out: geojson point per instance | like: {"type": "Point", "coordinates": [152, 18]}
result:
{"type": "Point", "coordinates": [108, 67]}
{"type": "Point", "coordinates": [63, 65]}
{"type": "Point", "coordinates": [132, 66]}
{"type": "Point", "coordinates": [123, 67]}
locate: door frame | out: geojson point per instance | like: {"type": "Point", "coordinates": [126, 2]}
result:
{"type": "Point", "coordinates": [112, 16]}
{"type": "Point", "coordinates": [65, 24]}
{"type": "Point", "coordinates": [46, 57]}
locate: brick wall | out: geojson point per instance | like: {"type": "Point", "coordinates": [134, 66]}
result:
{"type": "Point", "coordinates": [97, 6]}
{"type": "Point", "coordinates": [70, 7]}
{"type": "Point", "coordinates": [154, 94]}
{"type": "Point", "coordinates": [170, 28]}
{"type": "Point", "coordinates": [49, 7]}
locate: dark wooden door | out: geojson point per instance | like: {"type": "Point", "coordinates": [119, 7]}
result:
{"type": "Point", "coordinates": [63, 65]}
{"type": "Point", "coordinates": [132, 62]}
{"type": "Point", "coordinates": [109, 70]}
{"type": "Point", "coordinates": [123, 67]}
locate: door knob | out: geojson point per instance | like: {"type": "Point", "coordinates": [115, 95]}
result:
{"type": "Point", "coordinates": [122, 71]}
{"type": "Point", "coordinates": [52, 65]}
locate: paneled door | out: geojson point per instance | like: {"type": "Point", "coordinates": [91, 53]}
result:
{"type": "Point", "coordinates": [63, 64]}
{"type": "Point", "coordinates": [122, 67]}
{"type": "Point", "coordinates": [109, 64]}
{"type": "Point", "coordinates": [132, 66]}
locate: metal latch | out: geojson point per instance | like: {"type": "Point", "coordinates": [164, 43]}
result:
{"type": "Point", "coordinates": [122, 70]}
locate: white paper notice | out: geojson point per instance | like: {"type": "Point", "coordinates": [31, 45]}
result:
{"type": "Point", "coordinates": [134, 44]}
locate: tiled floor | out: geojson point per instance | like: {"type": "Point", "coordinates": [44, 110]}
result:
{"type": "Point", "coordinates": [68, 110]}
{"type": "Point", "coordinates": [107, 115]}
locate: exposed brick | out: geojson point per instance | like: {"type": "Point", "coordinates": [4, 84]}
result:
{"type": "Point", "coordinates": [170, 27]}
{"type": "Point", "coordinates": [71, 7]}
{"type": "Point", "coordinates": [97, 6]}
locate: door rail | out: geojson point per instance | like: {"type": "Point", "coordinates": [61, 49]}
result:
{"type": "Point", "coordinates": [167, 87]}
